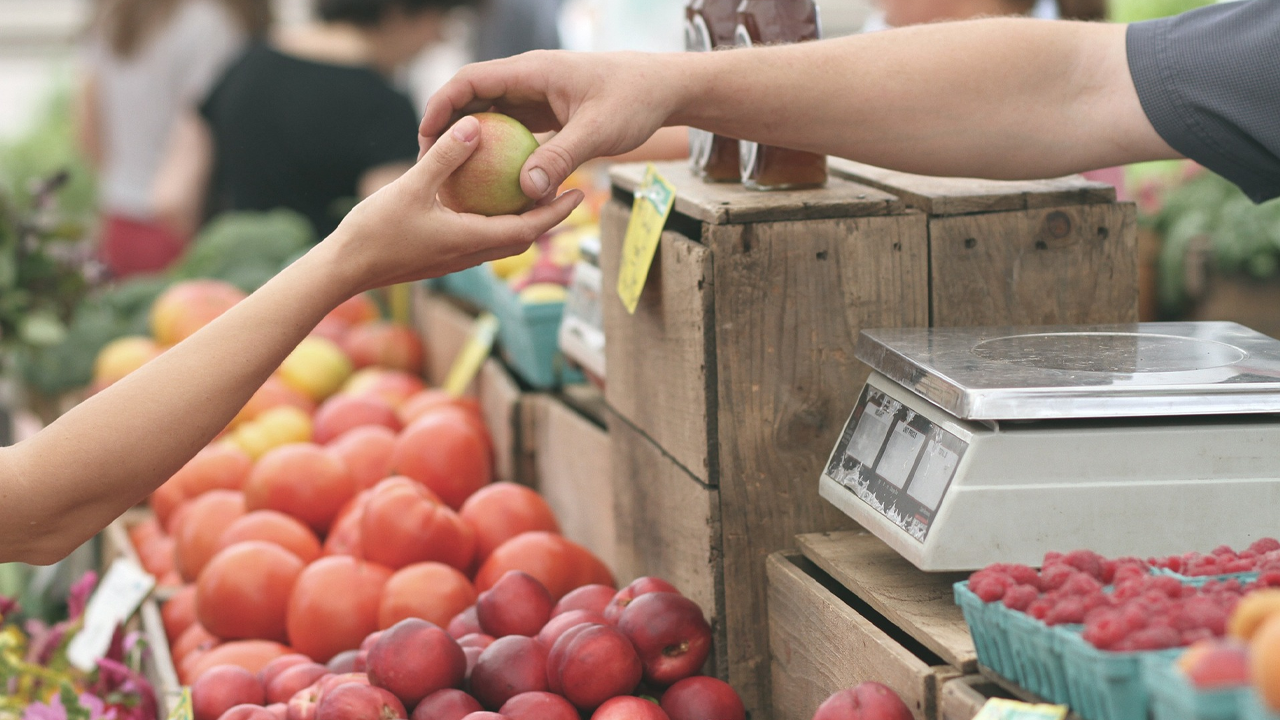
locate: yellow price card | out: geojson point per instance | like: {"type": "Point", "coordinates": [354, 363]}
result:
{"type": "Point", "coordinates": [182, 708]}
{"type": "Point", "coordinates": [472, 356]}
{"type": "Point", "coordinates": [1002, 709]}
{"type": "Point", "coordinates": [653, 204]}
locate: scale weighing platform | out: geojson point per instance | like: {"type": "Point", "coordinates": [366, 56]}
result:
{"type": "Point", "coordinates": [970, 446]}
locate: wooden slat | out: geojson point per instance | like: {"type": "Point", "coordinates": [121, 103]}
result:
{"type": "Point", "coordinates": [959, 196]}
{"type": "Point", "coordinates": [668, 523]}
{"type": "Point", "coordinates": [790, 301]}
{"type": "Point", "coordinates": [821, 645]}
{"type": "Point", "coordinates": [1063, 266]}
{"type": "Point", "coordinates": [159, 667]}
{"type": "Point", "coordinates": [723, 203]}
{"type": "Point", "coordinates": [661, 360]}
{"type": "Point", "coordinates": [444, 328]}
{"type": "Point", "coordinates": [963, 697]}
{"type": "Point", "coordinates": [500, 397]}
{"type": "Point", "coordinates": [574, 462]}
{"type": "Point", "coordinates": [920, 603]}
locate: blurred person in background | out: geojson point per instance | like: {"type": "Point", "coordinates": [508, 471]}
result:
{"type": "Point", "coordinates": [308, 120]}
{"type": "Point", "coordinates": [145, 61]}
{"type": "Point", "coordinates": [511, 27]}
{"type": "Point", "coordinates": [901, 13]}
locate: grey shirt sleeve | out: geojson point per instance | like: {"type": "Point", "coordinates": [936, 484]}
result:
{"type": "Point", "coordinates": [1209, 81]}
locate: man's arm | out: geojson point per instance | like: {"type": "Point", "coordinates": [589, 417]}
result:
{"type": "Point", "coordinates": [1000, 98]}
{"type": "Point", "coordinates": [74, 477]}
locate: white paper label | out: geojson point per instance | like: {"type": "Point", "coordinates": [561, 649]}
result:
{"type": "Point", "coordinates": [118, 596]}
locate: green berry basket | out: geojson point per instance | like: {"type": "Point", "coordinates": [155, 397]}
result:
{"type": "Point", "coordinates": [1037, 649]}
{"type": "Point", "coordinates": [1252, 708]}
{"type": "Point", "coordinates": [1104, 685]}
{"type": "Point", "coordinates": [1202, 580]}
{"type": "Point", "coordinates": [989, 626]}
{"type": "Point", "coordinates": [1174, 698]}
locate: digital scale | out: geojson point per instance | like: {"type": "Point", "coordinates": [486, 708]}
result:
{"type": "Point", "coordinates": [970, 446]}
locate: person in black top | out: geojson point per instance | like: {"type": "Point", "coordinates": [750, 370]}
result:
{"type": "Point", "coordinates": [306, 121]}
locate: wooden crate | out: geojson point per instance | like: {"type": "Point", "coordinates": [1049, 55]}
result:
{"type": "Point", "coordinates": [572, 465]}
{"type": "Point", "coordinates": [848, 609]}
{"type": "Point", "coordinates": [738, 363]}
{"type": "Point", "coordinates": [445, 326]}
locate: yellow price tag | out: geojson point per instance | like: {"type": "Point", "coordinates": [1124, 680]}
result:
{"type": "Point", "coordinates": [653, 204]}
{"type": "Point", "coordinates": [472, 356]}
{"type": "Point", "coordinates": [1002, 709]}
{"type": "Point", "coordinates": [182, 709]}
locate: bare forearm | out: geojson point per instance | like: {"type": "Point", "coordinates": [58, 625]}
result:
{"type": "Point", "coordinates": [112, 450]}
{"type": "Point", "coordinates": [1006, 98]}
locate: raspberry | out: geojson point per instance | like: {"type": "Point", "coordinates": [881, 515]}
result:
{"type": "Point", "coordinates": [1201, 612]}
{"type": "Point", "coordinates": [1169, 586]}
{"type": "Point", "coordinates": [1269, 579]}
{"type": "Point", "coordinates": [1223, 551]}
{"type": "Point", "coordinates": [1155, 637]}
{"type": "Point", "coordinates": [1129, 589]}
{"type": "Point", "coordinates": [1105, 630]}
{"type": "Point", "coordinates": [1053, 558]}
{"type": "Point", "coordinates": [1020, 597]}
{"type": "Point", "coordinates": [1239, 566]}
{"type": "Point", "coordinates": [1096, 600]}
{"type": "Point", "coordinates": [1081, 584]}
{"type": "Point", "coordinates": [1024, 575]}
{"type": "Point", "coordinates": [1040, 608]}
{"type": "Point", "coordinates": [1086, 561]}
{"type": "Point", "coordinates": [1171, 563]}
{"type": "Point", "coordinates": [1068, 611]}
{"type": "Point", "coordinates": [991, 587]}
{"type": "Point", "coordinates": [1133, 617]}
{"type": "Point", "coordinates": [1124, 573]}
{"type": "Point", "coordinates": [1055, 576]}
{"type": "Point", "coordinates": [1265, 545]}
{"type": "Point", "coordinates": [1196, 635]}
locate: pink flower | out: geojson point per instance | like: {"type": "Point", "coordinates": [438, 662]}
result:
{"type": "Point", "coordinates": [78, 596]}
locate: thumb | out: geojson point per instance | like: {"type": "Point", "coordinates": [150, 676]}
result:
{"type": "Point", "coordinates": [450, 150]}
{"type": "Point", "coordinates": [552, 163]}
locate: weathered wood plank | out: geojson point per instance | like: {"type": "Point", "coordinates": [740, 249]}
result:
{"type": "Point", "coordinates": [500, 397]}
{"type": "Point", "coordinates": [444, 328]}
{"type": "Point", "coordinates": [668, 523]}
{"type": "Point", "coordinates": [821, 644]}
{"type": "Point", "coordinates": [920, 603]}
{"type": "Point", "coordinates": [661, 359]}
{"type": "Point", "coordinates": [959, 196]}
{"type": "Point", "coordinates": [573, 457]}
{"type": "Point", "coordinates": [790, 301]}
{"type": "Point", "coordinates": [1063, 266]}
{"type": "Point", "coordinates": [963, 697]}
{"type": "Point", "coordinates": [723, 203]}
{"type": "Point", "coordinates": [158, 665]}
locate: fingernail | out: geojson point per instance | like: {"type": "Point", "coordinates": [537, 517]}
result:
{"type": "Point", "coordinates": [466, 129]}
{"type": "Point", "coordinates": [541, 183]}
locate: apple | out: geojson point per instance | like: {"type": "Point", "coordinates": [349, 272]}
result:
{"type": "Point", "coordinates": [299, 677]}
{"type": "Point", "coordinates": [629, 708]}
{"type": "Point", "coordinates": [465, 623]}
{"type": "Point", "coordinates": [415, 658]}
{"type": "Point", "coordinates": [592, 663]}
{"type": "Point", "coordinates": [247, 712]}
{"type": "Point", "coordinates": [488, 183]}
{"type": "Point", "coordinates": [447, 704]}
{"type": "Point", "coordinates": [483, 715]}
{"type": "Point", "coordinates": [516, 605]}
{"type": "Point", "coordinates": [538, 706]}
{"type": "Point", "coordinates": [353, 701]}
{"type": "Point", "coordinates": [279, 665]}
{"type": "Point", "coordinates": [511, 665]}
{"type": "Point", "coordinates": [866, 701]}
{"type": "Point", "coordinates": [344, 662]}
{"type": "Point", "coordinates": [1218, 663]}
{"type": "Point", "coordinates": [638, 587]}
{"type": "Point", "coordinates": [588, 597]}
{"type": "Point", "coordinates": [669, 633]}
{"type": "Point", "coordinates": [477, 640]}
{"type": "Point", "coordinates": [699, 698]}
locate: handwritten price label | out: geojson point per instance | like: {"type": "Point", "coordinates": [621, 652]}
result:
{"type": "Point", "coordinates": [653, 204]}
{"type": "Point", "coordinates": [1001, 709]}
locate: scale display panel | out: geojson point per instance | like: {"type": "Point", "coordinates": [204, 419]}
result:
{"type": "Point", "coordinates": [896, 460]}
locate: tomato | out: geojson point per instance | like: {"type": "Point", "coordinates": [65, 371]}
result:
{"type": "Point", "coordinates": [344, 537]}
{"type": "Point", "coordinates": [432, 591]}
{"type": "Point", "coordinates": [301, 480]}
{"type": "Point", "coordinates": [179, 612]}
{"type": "Point", "coordinates": [501, 511]}
{"type": "Point", "coordinates": [203, 520]}
{"type": "Point", "coordinates": [559, 564]}
{"type": "Point", "coordinates": [252, 655]}
{"type": "Point", "coordinates": [433, 400]}
{"type": "Point", "coordinates": [156, 555]}
{"type": "Point", "coordinates": [342, 413]}
{"type": "Point", "coordinates": [273, 393]}
{"type": "Point", "coordinates": [166, 499]}
{"type": "Point", "coordinates": [221, 466]}
{"type": "Point", "coordinates": [366, 451]}
{"type": "Point", "coordinates": [403, 524]}
{"type": "Point", "coordinates": [355, 310]}
{"type": "Point", "coordinates": [393, 386]}
{"type": "Point", "coordinates": [444, 452]}
{"type": "Point", "coordinates": [273, 527]}
{"type": "Point", "coordinates": [384, 344]}
{"type": "Point", "coordinates": [334, 605]}
{"type": "Point", "coordinates": [193, 639]}
{"type": "Point", "coordinates": [243, 592]}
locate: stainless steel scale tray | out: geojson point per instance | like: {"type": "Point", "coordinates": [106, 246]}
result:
{"type": "Point", "coordinates": [1094, 371]}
